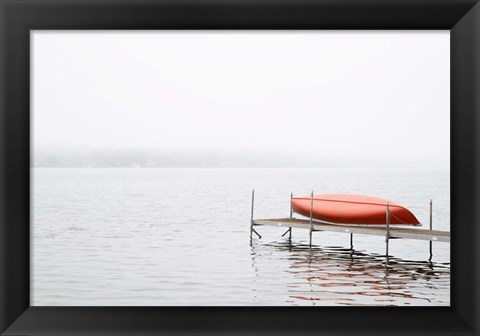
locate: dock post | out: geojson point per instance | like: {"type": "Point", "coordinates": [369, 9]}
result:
{"type": "Point", "coordinates": [251, 214]}
{"type": "Point", "coordinates": [351, 241]}
{"type": "Point", "coordinates": [311, 217]}
{"type": "Point", "coordinates": [387, 231]}
{"type": "Point", "coordinates": [291, 209]}
{"type": "Point", "coordinates": [291, 215]}
{"type": "Point", "coordinates": [431, 226]}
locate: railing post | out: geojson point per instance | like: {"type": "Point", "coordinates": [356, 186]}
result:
{"type": "Point", "coordinates": [291, 215]}
{"type": "Point", "coordinates": [291, 208]}
{"type": "Point", "coordinates": [251, 214]}
{"type": "Point", "coordinates": [311, 217]}
{"type": "Point", "coordinates": [387, 231]}
{"type": "Point", "coordinates": [431, 226]}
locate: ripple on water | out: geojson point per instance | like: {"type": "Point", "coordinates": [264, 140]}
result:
{"type": "Point", "coordinates": [340, 276]}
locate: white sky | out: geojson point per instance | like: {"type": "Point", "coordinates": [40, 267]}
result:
{"type": "Point", "coordinates": [379, 97]}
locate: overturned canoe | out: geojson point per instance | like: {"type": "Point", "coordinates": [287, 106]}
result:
{"type": "Point", "coordinates": [352, 209]}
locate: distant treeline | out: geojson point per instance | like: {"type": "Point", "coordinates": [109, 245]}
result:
{"type": "Point", "coordinates": [139, 158]}
{"type": "Point", "coordinates": [203, 158]}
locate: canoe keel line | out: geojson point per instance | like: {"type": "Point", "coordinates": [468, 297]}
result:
{"type": "Point", "coordinates": [352, 214]}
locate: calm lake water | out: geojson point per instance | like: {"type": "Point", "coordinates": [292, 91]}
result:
{"type": "Point", "coordinates": [154, 237]}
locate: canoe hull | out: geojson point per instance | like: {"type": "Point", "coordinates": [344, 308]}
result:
{"type": "Point", "coordinates": [352, 209]}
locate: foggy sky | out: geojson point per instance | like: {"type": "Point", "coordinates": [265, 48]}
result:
{"type": "Point", "coordinates": [241, 98]}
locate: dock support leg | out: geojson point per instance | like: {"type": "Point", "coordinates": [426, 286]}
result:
{"type": "Point", "coordinates": [289, 230]}
{"type": "Point", "coordinates": [387, 231]}
{"type": "Point", "coordinates": [251, 214]}
{"type": "Point", "coordinates": [431, 226]}
{"type": "Point", "coordinates": [351, 241]}
{"type": "Point", "coordinates": [311, 217]}
{"type": "Point", "coordinates": [252, 230]}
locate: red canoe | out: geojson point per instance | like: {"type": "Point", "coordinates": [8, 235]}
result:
{"type": "Point", "coordinates": [352, 209]}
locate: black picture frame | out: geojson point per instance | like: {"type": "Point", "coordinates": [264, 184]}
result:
{"type": "Point", "coordinates": [19, 17]}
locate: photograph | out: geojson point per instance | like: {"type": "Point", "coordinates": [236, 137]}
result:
{"type": "Point", "coordinates": [240, 168]}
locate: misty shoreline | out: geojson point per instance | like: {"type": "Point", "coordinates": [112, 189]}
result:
{"type": "Point", "coordinates": [224, 159]}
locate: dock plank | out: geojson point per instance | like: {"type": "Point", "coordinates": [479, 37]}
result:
{"type": "Point", "coordinates": [395, 232]}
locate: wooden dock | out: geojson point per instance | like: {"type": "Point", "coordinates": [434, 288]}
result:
{"type": "Point", "coordinates": [388, 231]}
{"type": "Point", "coordinates": [395, 232]}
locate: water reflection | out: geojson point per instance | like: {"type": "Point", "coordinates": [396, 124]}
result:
{"type": "Point", "coordinates": [341, 276]}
